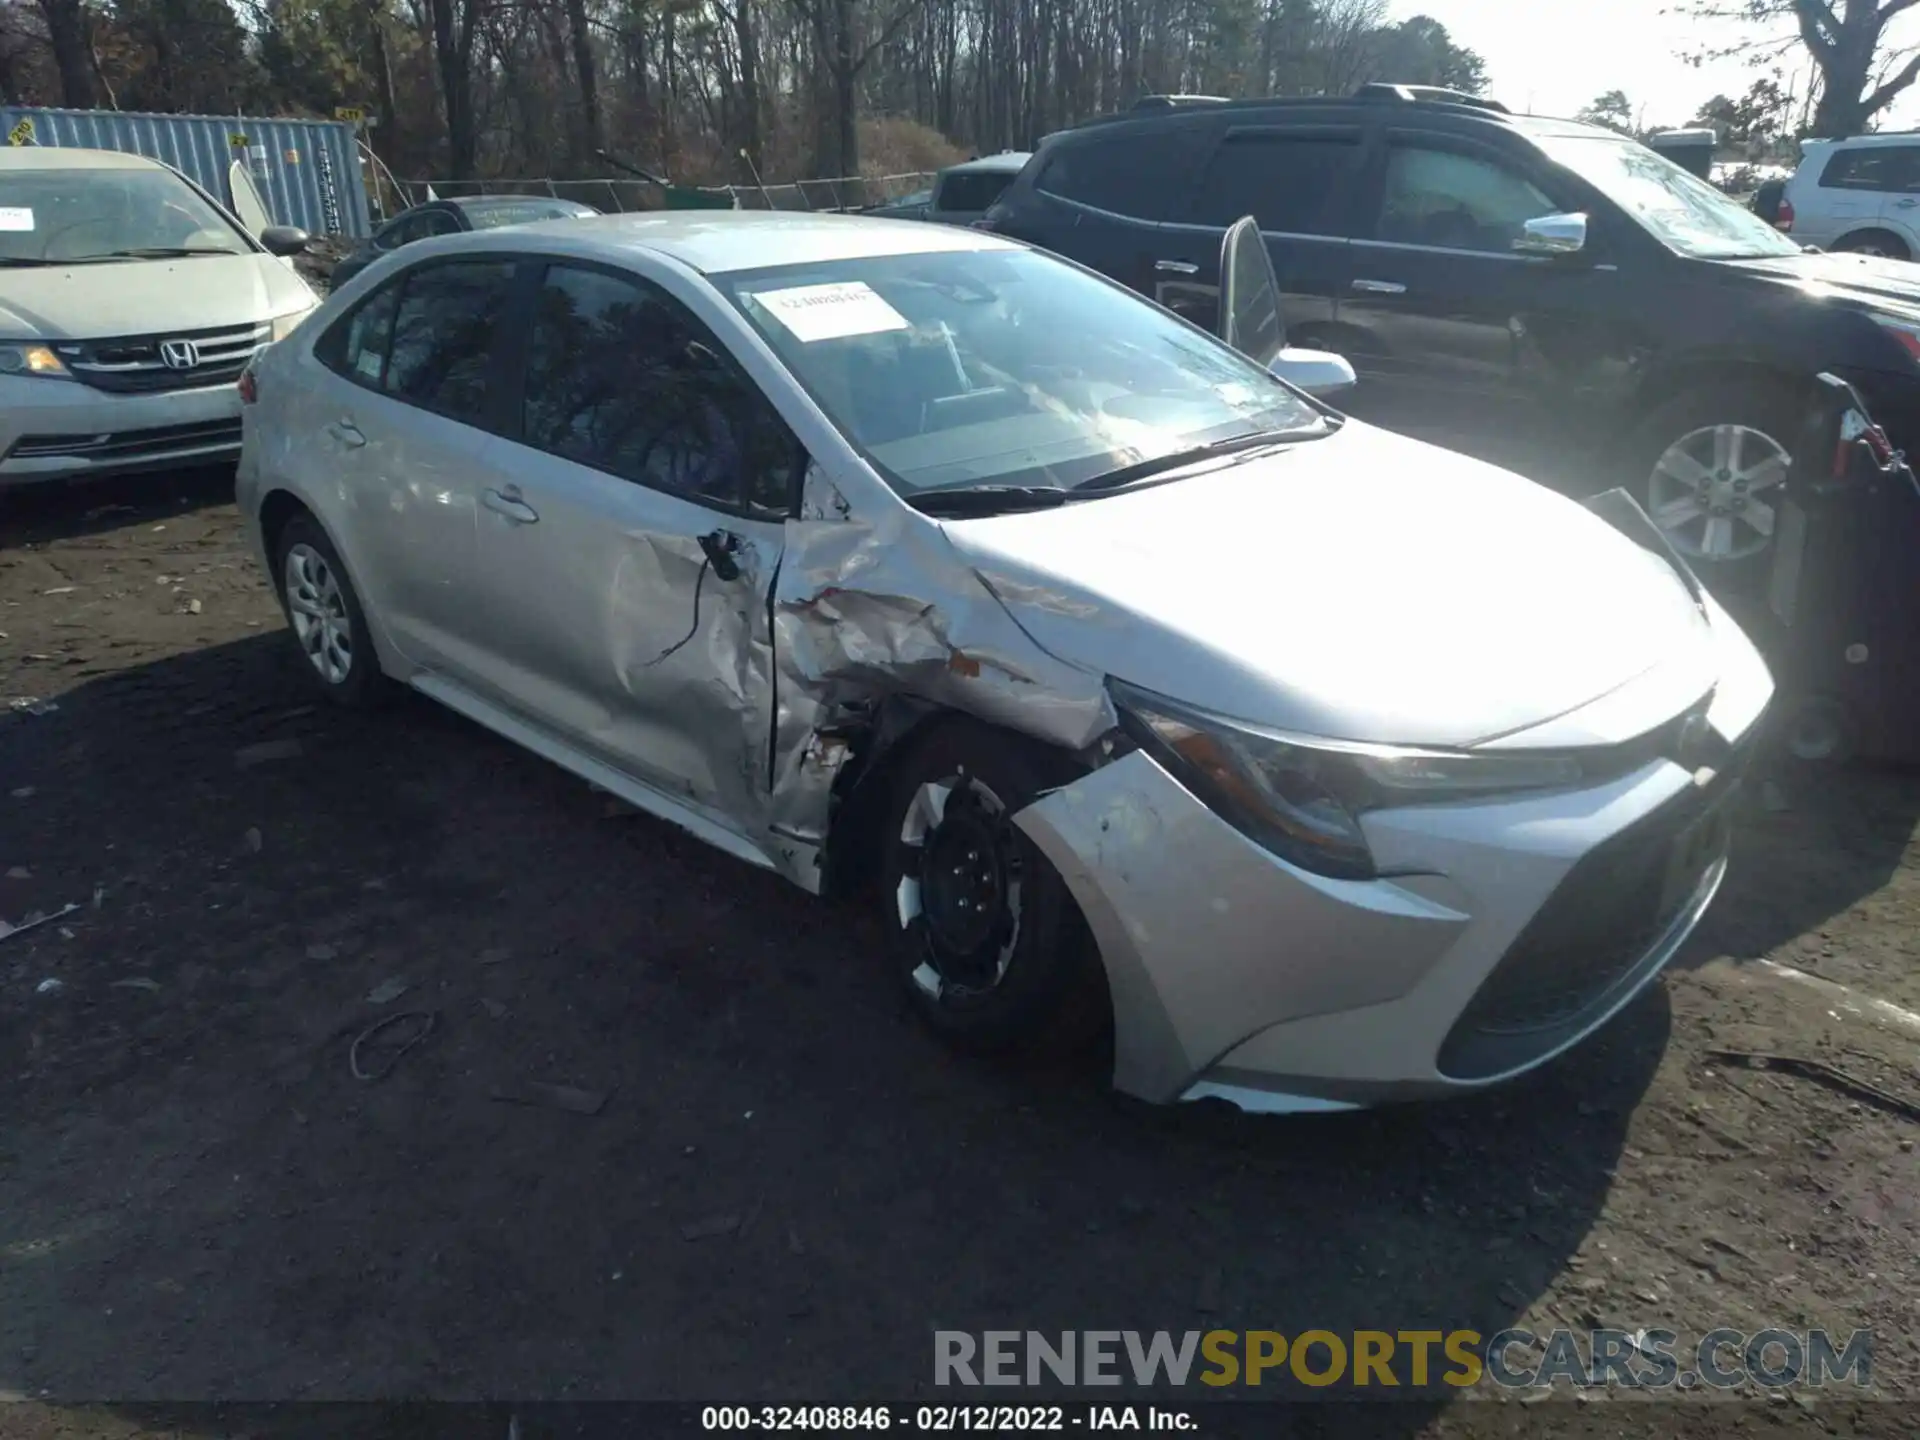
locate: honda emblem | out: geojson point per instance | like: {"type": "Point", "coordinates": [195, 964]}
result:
{"type": "Point", "coordinates": [179, 354]}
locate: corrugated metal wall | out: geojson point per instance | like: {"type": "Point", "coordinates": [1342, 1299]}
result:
{"type": "Point", "coordinates": [308, 171]}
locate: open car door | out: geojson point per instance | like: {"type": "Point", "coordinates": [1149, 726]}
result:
{"type": "Point", "coordinates": [1253, 322]}
{"type": "Point", "coordinates": [247, 206]}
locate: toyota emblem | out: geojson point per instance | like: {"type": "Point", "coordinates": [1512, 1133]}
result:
{"type": "Point", "coordinates": [179, 354]}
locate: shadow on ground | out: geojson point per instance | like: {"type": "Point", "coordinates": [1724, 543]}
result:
{"type": "Point", "coordinates": [790, 1186]}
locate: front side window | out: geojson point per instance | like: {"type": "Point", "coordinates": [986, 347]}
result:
{"type": "Point", "coordinates": [1286, 184]}
{"type": "Point", "coordinates": [443, 336]}
{"type": "Point", "coordinates": [1450, 201]}
{"type": "Point", "coordinates": [1678, 208]}
{"type": "Point", "coordinates": [619, 377]}
{"type": "Point", "coordinates": [66, 217]}
{"type": "Point", "coordinates": [962, 368]}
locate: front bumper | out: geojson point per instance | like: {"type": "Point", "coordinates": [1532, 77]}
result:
{"type": "Point", "coordinates": [64, 429]}
{"type": "Point", "coordinates": [1504, 933]}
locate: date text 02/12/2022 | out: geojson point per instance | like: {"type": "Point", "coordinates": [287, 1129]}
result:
{"type": "Point", "coordinates": [944, 1419]}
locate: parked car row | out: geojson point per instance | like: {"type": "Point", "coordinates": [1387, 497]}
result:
{"type": "Point", "coordinates": [1547, 294]}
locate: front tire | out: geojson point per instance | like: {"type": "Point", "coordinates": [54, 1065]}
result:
{"type": "Point", "coordinates": [325, 617]}
{"type": "Point", "coordinates": [986, 939]}
{"type": "Point", "coordinates": [1711, 469]}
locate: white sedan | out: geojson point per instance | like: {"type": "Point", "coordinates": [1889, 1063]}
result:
{"type": "Point", "coordinates": [1329, 767]}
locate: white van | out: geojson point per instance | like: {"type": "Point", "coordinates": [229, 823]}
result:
{"type": "Point", "coordinates": [130, 301]}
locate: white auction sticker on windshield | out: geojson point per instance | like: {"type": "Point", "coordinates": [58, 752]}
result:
{"type": "Point", "coordinates": [15, 218]}
{"type": "Point", "coordinates": [831, 312]}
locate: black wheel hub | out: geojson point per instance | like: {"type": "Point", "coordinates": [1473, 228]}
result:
{"type": "Point", "coordinates": [965, 880]}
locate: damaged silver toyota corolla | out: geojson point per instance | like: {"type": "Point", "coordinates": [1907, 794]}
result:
{"type": "Point", "coordinates": [1336, 768]}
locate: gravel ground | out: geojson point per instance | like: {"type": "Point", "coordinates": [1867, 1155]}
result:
{"type": "Point", "coordinates": [790, 1185]}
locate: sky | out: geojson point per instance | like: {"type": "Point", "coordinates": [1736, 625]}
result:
{"type": "Point", "coordinates": [1553, 56]}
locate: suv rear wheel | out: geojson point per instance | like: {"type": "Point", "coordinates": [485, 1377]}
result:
{"type": "Point", "coordinates": [1711, 468]}
{"type": "Point", "coordinates": [1883, 243]}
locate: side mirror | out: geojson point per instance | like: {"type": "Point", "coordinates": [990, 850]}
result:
{"type": "Point", "coordinates": [284, 239]}
{"type": "Point", "coordinates": [1318, 372]}
{"type": "Point", "coordinates": [1553, 235]}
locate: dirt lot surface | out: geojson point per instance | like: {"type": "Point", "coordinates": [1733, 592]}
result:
{"type": "Point", "coordinates": [790, 1186]}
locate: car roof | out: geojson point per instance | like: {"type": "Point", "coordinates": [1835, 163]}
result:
{"type": "Point", "coordinates": [1008, 162]}
{"type": "Point", "coordinates": [69, 157]}
{"type": "Point", "coordinates": [1314, 108]}
{"type": "Point", "coordinates": [717, 242]}
{"type": "Point", "coordinates": [1885, 137]}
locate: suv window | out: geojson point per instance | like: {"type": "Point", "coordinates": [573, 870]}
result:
{"type": "Point", "coordinates": [444, 333]}
{"type": "Point", "coordinates": [974, 191]}
{"type": "Point", "coordinates": [619, 377]}
{"type": "Point", "coordinates": [1873, 167]}
{"type": "Point", "coordinates": [1128, 169]}
{"type": "Point", "coordinates": [1296, 184]}
{"type": "Point", "coordinates": [1451, 201]}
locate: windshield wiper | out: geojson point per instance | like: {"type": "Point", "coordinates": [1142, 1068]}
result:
{"type": "Point", "coordinates": [1252, 440]}
{"type": "Point", "coordinates": [988, 499]}
{"type": "Point", "coordinates": [24, 260]}
{"type": "Point", "coordinates": [152, 252]}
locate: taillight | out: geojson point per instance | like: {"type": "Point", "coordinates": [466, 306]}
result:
{"type": "Point", "coordinates": [1783, 217]}
{"type": "Point", "coordinates": [248, 387]}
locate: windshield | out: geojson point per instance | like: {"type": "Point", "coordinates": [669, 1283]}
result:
{"type": "Point", "coordinates": [1004, 367]}
{"type": "Point", "coordinates": [1684, 212]}
{"type": "Point", "coordinates": [63, 216]}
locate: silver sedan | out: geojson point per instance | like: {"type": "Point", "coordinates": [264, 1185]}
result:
{"type": "Point", "coordinates": [1138, 685]}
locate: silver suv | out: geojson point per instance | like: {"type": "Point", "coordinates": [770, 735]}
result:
{"type": "Point", "coordinates": [1861, 194]}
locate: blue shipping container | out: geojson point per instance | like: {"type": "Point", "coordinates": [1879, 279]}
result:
{"type": "Point", "coordinates": [307, 171]}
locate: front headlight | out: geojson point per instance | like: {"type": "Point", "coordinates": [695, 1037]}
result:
{"type": "Point", "coordinates": [285, 325]}
{"type": "Point", "coordinates": [30, 357]}
{"type": "Point", "coordinates": [1303, 798]}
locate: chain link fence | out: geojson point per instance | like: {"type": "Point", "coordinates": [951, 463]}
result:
{"type": "Point", "coordinates": [620, 194]}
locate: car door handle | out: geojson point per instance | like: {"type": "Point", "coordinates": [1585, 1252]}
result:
{"type": "Point", "coordinates": [1907, 204]}
{"type": "Point", "coordinates": [509, 504]}
{"type": "Point", "coordinates": [1379, 287]}
{"type": "Point", "coordinates": [1176, 267]}
{"type": "Point", "coordinates": [347, 433]}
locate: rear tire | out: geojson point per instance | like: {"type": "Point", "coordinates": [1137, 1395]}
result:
{"type": "Point", "coordinates": [986, 939]}
{"type": "Point", "coordinates": [1883, 243]}
{"type": "Point", "coordinates": [325, 617]}
{"type": "Point", "coordinates": [1710, 467]}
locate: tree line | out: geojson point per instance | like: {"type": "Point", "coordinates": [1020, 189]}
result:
{"type": "Point", "coordinates": [706, 90]}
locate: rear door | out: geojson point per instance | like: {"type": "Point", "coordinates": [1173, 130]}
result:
{"type": "Point", "coordinates": [392, 438]}
{"type": "Point", "coordinates": [1099, 197]}
{"type": "Point", "coordinates": [628, 539]}
{"type": "Point", "coordinates": [1300, 183]}
{"type": "Point", "coordinates": [1851, 190]}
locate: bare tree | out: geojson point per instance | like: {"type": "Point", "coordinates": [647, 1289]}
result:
{"type": "Point", "coordinates": [1859, 72]}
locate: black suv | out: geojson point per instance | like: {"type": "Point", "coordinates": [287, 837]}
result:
{"type": "Point", "coordinates": [1545, 294]}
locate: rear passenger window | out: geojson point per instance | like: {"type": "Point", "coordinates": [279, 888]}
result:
{"type": "Point", "coordinates": [357, 346]}
{"type": "Point", "coordinates": [443, 336]}
{"type": "Point", "coordinates": [1874, 167]}
{"type": "Point", "coordinates": [1130, 170]}
{"type": "Point", "coordinates": [1297, 185]}
{"type": "Point", "coordinates": [971, 192]}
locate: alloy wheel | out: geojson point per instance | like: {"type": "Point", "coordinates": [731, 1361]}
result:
{"type": "Point", "coordinates": [318, 610]}
{"type": "Point", "coordinates": [1711, 491]}
{"type": "Point", "coordinates": [963, 888]}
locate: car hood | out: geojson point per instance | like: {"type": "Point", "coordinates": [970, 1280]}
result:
{"type": "Point", "coordinates": [1866, 280]}
{"type": "Point", "coordinates": [147, 297]}
{"type": "Point", "coordinates": [1364, 587]}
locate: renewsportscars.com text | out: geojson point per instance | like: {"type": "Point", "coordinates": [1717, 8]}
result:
{"type": "Point", "coordinates": [1644, 1359]}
